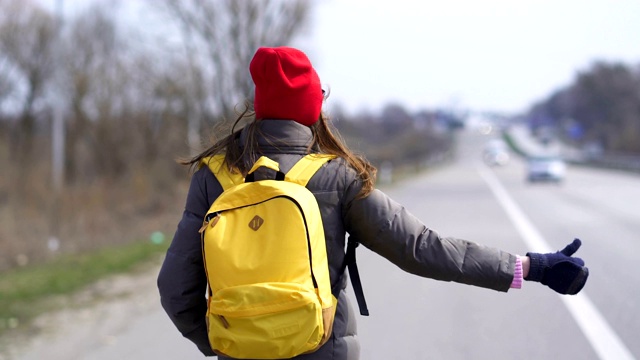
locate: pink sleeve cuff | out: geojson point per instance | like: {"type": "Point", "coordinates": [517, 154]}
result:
{"type": "Point", "coordinates": [516, 283]}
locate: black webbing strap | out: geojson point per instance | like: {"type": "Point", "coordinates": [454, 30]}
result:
{"type": "Point", "coordinates": [279, 175]}
{"type": "Point", "coordinates": [354, 275]}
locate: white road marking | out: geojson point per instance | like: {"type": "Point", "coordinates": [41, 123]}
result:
{"type": "Point", "coordinates": [600, 335]}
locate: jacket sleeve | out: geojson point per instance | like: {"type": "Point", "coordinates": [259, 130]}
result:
{"type": "Point", "coordinates": [387, 228]}
{"type": "Point", "coordinates": [182, 281]}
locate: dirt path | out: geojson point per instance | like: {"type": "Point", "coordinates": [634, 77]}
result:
{"type": "Point", "coordinates": [91, 319]}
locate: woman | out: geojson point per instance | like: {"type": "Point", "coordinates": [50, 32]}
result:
{"type": "Point", "coordinates": [289, 124]}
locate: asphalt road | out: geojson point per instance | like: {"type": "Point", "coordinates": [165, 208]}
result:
{"type": "Point", "coordinates": [416, 318]}
{"type": "Point", "coordinates": [413, 318]}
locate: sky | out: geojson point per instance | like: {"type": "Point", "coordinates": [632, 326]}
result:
{"type": "Point", "coordinates": [496, 55]}
{"type": "Point", "coordinates": [489, 55]}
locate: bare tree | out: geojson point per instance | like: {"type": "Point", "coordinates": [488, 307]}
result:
{"type": "Point", "coordinates": [7, 82]}
{"type": "Point", "coordinates": [26, 34]}
{"type": "Point", "coordinates": [107, 97]}
{"type": "Point", "coordinates": [7, 68]}
{"type": "Point", "coordinates": [603, 103]}
{"type": "Point", "coordinates": [94, 41]}
{"type": "Point", "coordinates": [124, 105]}
{"type": "Point", "coordinates": [220, 37]}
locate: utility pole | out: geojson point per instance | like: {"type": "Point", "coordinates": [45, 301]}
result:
{"type": "Point", "coordinates": [57, 136]}
{"type": "Point", "coordinates": [58, 131]}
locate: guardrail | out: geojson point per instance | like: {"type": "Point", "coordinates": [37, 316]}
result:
{"type": "Point", "coordinates": [525, 147]}
{"type": "Point", "coordinates": [618, 162]}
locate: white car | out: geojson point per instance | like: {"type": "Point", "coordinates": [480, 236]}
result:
{"type": "Point", "coordinates": [496, 157]}
{"type": "Point", "coordinates": [496, 153]}
{"type": "Point", "coordinates": [546, 169]}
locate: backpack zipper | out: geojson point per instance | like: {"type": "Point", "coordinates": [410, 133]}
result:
{"type": "Point", "coordinates": [213, 218]}
{"type": "Point", "coordinates": [205, 223]}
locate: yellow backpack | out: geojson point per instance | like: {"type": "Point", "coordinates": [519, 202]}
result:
{"type": "Point", "coordinates": [266, 263]}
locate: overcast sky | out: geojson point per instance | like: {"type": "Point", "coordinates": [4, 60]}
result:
{"type": "Point", "coordinates": [487, 55]}
{"type": "Point", "coordinates": [484, 55]}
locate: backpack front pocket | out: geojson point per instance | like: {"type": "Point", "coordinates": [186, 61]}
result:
{"type": "Point", "coordinates": [265, 320]}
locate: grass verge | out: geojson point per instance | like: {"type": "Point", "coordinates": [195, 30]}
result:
{"type": "Point", "coordinates": [23, 291]}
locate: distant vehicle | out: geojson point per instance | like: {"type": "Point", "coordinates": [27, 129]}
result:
{"type": "Point", "coordinates": [546, 169]}
{"type": "Point", "coordinates": [496, 157]}
{"type": "Point", "coordinates": [496, 153]}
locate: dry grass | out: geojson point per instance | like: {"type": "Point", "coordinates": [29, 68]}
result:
{"type": "Point", "coordinates": [83, 218]}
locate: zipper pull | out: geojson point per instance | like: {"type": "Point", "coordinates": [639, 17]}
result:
{"type": "Point", "coordinates": [209, 222]}
{"type": "Point", "coordinates": [204, 226]}
{"type": "Point", "coordinates": [224, 321]}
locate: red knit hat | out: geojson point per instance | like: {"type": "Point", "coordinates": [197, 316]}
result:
{"type": "Point", "coordinates": [287, 86]}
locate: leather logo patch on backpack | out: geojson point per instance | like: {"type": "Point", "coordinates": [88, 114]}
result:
{"type": "Point", "coordinates": [256, 222]}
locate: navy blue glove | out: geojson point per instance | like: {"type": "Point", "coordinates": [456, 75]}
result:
{"type": "Point", "coordinates": [559, 271]}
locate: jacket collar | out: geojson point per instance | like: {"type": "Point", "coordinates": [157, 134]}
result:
{"type": "Point", "coordinates": [281, 136]}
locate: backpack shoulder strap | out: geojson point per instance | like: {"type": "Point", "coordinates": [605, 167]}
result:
{"type": "Point", "coordinates": [354, 275]}
{"type": "Point", "coordinates": [306, 167]}
{"type": "Point", "coordinates": [226, 178]}
{"type": "Point", "coordinates": [301, 173]}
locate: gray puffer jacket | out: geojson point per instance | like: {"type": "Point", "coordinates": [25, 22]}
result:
{"type": "Point", "coordinates": [376, 221]}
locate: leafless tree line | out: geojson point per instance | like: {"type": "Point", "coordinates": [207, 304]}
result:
{"type": "Point", "coordinates": [133, 94]}
{"type": "Point", "coordinates": [599, 110]}
{"type": "Point", "coordinates": [131, 102]}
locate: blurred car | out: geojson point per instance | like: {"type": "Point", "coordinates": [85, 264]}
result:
{"type": "Point", "coordinates": [496, 153]}
{"type": "Point", "coordinates": [546, 169]}
{"type": "Point", "coordinates": [495, 157]}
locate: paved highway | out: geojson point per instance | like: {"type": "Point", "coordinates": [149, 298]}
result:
{"type": "Point", "coordinates": [413, 318]}
{"type": "Point", "coordinates": [416, 318]}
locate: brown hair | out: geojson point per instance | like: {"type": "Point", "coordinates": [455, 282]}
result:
{"type": "Point", "coordinates": [325, 140]}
